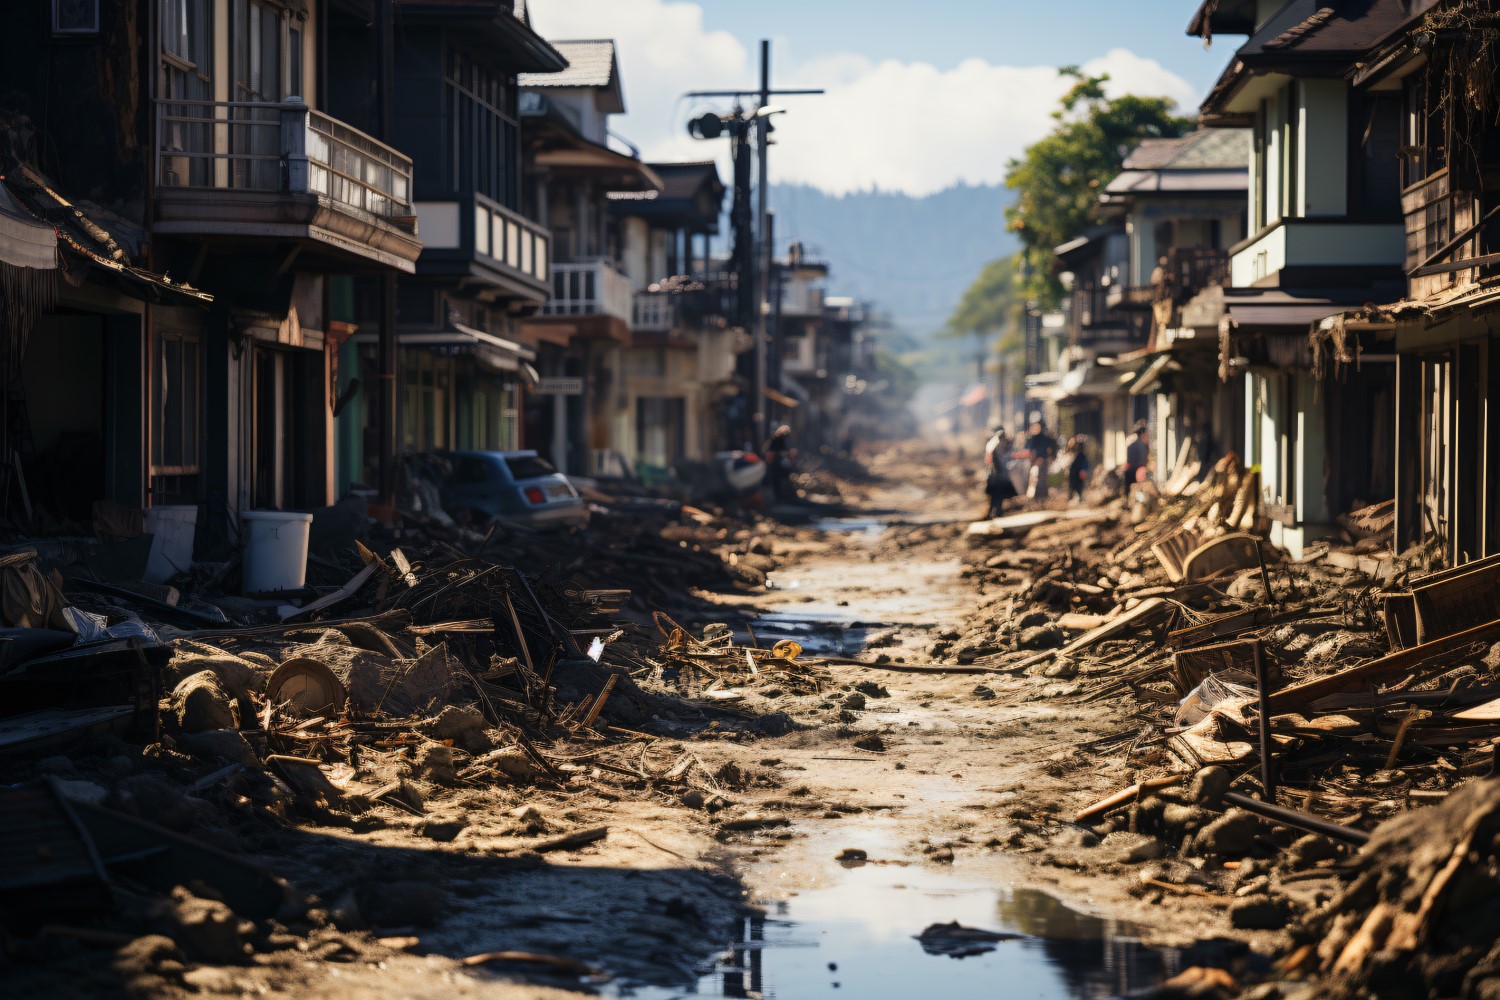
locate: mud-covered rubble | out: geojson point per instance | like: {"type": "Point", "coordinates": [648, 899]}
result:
{"type": "Point", "coordinates": [423, 703]}
{"type": "Point", "coordinates": [1173, 609]}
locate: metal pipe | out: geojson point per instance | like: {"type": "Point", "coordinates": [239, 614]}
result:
{"type": "Point", "coordinates": [1300, 820]}
{"type": "Point", "coordinates": [1263, 723]}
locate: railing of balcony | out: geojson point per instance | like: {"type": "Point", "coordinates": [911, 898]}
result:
{"type": "Point", "coordinates": [1189, 270]}
{"type": "Point", "coordinates": [654, 312]}
{"type": "Point", "coordinates": [589, 288]}
{"type": "Point", "coordinates": [287, 147]}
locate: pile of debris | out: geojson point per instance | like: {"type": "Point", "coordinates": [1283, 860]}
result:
{"type": "Point", "coordinates": [1354, 685]}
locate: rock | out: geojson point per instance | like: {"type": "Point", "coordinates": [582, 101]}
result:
{"type": "Point", "coordinates": [1231, 834]}
{"type": "Point", "coordinates": [1072, 836]}
{"type": "Point", "coordinates": [529, 822]}
{"type": "Point", "coordinates": [1034, 619]}
{"type": "Point", "coordinates": [942, 854]}
{"type": "Point", "coordinates": [950, 635]}
{"type": "Point", "coordinates": [1180, 819]}
{"type": "Point", "coordinates": [852, 855]}
{"type": "Point", "coordinates": [227, 745]}
{"type": "Point", "coordinates": [774, 724]}
{"type": "Point", "coordinates": [1040, 637]}
{"type": "Point", "coordinates": [442, 830]}
{"type": "Point", "coordinates": [402, 903]}
{"type": "Point", "coordinates": [437, 765]}
{"type": "Point", "coordinates": [1133, 848]}
{"type": "Point", "coordinates": [240, 677]}
{"type": "Point", "coordinates": [1309, 850]}
{"type": "Point", "coordinates": [1258, 913]}
{"type": "Point", "coordinates": [81, 791]}
{"type": "Point", "coordinates": [854, 700]}
{"type": "Point", "coordinates": [870, 741]}
{"type": "Point", "coordinates": [1209, 786]}
{"type": "Point", "coordinates": [872, 690]}
{"type": "Point", "coordinates": [206, 927]}
{"type": "Point", "coordinates": [464, 725]}
{"type": "Point", "coordinates": [148, 965]}
{"type": "Point", "coordinates": [199, 703]}
{"type": "Point", "coordinates": [984, 692]}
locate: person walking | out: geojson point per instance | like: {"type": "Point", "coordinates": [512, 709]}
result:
{"type": "Point", "coordinates": [1078, 469]}
{"type": "Point", "coordinates": [997, 483]}
{"type": "Point", "coordinates": [1042, 447]}
{"type": "Point", "coordinates": [1137, 456]}
{"type": "Point", "coordinates": [779, 452]}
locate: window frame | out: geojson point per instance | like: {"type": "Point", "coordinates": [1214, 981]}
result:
{"type": "Point", "coordinates": [188, 464]}
{"type": "Point", "coordinates": [58, 29]}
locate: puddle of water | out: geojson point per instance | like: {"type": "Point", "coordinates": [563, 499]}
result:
{"type": "Point", "coordinates": [869, 529]}
{"type": "Point", "coordinates": [858, 939]}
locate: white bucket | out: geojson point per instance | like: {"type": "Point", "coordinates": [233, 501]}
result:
{"type": "Point", "coordinates": [171, 529]}
{"type": "Point", "coordinates": [275, 550]}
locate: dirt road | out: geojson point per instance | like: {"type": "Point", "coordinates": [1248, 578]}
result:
{"type": "Point", "coordinates": [831, 830]}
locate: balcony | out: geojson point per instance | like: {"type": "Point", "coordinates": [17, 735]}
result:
{"type": "Point", "coordinates": [1328, 250]}
{"type": "Point", "coordinates": [1129, 297]}
{"type": "Point", "coordinates": [473, 239]}
{"type": "Point", "coordinates": [654, 312]}
{"type": "Point", "coordinates": [592, 297]}
{"type": "Point", "coordinates": [258, 172]}
{"type": "Point", "coordinates": [1189, 270]}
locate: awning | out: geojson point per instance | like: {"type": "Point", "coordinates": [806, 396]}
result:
{"type": "Point", "coordinates": [486, 348]}
{"type": "Point", "coordinates": [1151, 375]}
{"type": "Point", "coordinates": [1274, 308]}
{"type": "Point", "coordinates": [25, 242]}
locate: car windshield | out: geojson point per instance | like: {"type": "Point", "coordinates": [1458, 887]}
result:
{"type": "Point", "coordinates": [528, 466]}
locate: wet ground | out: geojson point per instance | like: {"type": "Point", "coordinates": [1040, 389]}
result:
{"type": "Point", "coordinates": [836, 927]}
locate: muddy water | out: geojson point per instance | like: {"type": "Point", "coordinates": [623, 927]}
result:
{"type": "Point", "coordinates": [850, 929]}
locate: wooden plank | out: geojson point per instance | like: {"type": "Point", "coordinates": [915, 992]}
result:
{"type": "Point", "coordinates": [1137, 615]}
{"type": "Point", "coordinates": [1400, 615]}
{"type": "Point", "coordinates": [1390, 667]}
{"type": "Point", "coordinates": [1219, 627]}
{"type": "Point", "coordinates": [1449, 605]}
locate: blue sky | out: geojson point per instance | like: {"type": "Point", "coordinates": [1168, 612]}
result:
{"type": "Point", "coordinates": [923, 94]}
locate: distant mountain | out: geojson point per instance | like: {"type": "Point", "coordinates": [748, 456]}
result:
{"type": "Point", "coordinates": [912, 257]}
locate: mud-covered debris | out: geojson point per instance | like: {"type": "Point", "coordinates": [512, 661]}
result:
{"type": "Point", "coordinates": [957, 941]}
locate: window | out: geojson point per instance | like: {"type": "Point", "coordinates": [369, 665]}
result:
{"type": "Point", "coordinates": [186, 85]}
{"type": "Point", "coordinates": [484, 154]}
{"type": "Point", "coordinates": [470, 471]}
{"type": "Point", "coordinates": [75, 17]}
{"type": "Point", "coordinates": [267, 43]}
{"type": "Point", "coordinates": [174, 405]}
{"type": "Point", "coordinates": [528, 467]}
{"type": "Point", "coordinates": [1424, 149]}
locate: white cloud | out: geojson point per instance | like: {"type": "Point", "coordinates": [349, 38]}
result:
{"type": "Point", "coordinates": [895, 125]}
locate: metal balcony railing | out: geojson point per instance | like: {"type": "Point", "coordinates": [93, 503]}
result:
{"type": "Point", "coordinates": [286, 147]}
{"type": "Point", "coordinates": [589, 288]}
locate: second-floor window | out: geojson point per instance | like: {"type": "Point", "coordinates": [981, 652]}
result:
{"type": "Point", "coordinates": [266, 57]}
{"type": "Point", "coordinates": [484, 142]}
{"type": "Point", "coordinates": [1425, 141]}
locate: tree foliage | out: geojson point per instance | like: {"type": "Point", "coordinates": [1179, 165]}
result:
{"type": "Point", "coordinates": [1058, 178]}
{"type": "Point", "coordinates": [986, 306]}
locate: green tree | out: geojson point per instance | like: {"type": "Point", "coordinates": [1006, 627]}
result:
{"type": "Point", "coordinates": [992, 308]}
{"type": "Point", "coordinates": [1059, 177]}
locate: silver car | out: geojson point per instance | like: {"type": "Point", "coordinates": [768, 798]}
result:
{"type": "Point", "coordinates": [518, 486]}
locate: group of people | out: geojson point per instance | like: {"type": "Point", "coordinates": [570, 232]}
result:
{"type": "Point", "coordinates": [1038, 453]}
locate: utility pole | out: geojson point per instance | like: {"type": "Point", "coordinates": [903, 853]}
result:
{"type": "Point", "coordinates": [765, 254]}
{"type": "Point", "coordinates": [387, 430]}
{"type": "Point", "coordinates": [767, 248]}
